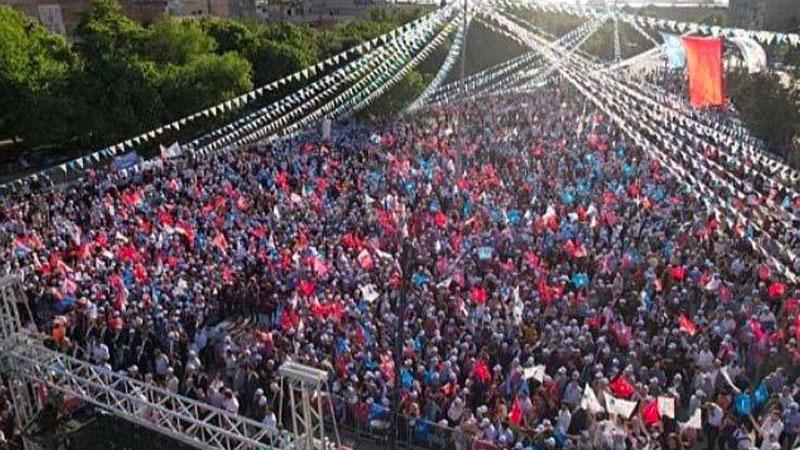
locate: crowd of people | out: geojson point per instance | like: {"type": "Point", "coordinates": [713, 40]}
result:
{"type": "Point", "coordinates": [553, 273]}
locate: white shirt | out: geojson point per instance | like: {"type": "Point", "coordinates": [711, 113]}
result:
{"type": "Point", "coordinates": [100, 352]}
{"type": "Point", "coordinates": [173, 384]}
{"type": "Point", "coordinates": [231, 404]}
{"type": "Point", "coordinates": [715, 415]}
{"type": "Point", "coordinates": [270, 420]}
{"type": "Point", "coordinates": [162, 363]}
{"type": "Point", "coordinates": [564, 419]}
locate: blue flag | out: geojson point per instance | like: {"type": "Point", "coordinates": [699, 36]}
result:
{"type": "Point", "coordinates": [761, 395]}
{"type": "Point", "coordinates": [676, 56]}
{"type": "Point", "coordinates": [743, 404]}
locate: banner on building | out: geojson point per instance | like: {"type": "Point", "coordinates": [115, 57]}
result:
{"type": "Point", "coordinates": [704, 67]}
{"type": "Point", "coordinates": [755, 58]}
{"type": "Point", "coordinates": [676, 57]}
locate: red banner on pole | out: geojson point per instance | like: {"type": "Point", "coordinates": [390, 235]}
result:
{"type": "Point", "coordinates": [704, 65]}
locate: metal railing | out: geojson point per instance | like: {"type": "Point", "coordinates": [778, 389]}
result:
{"type": "Point", "coordinates": [195, 423]}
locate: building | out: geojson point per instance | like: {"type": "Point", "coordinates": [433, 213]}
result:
{"type": "Point", "coordinates": [145, 11]}
{"type": "Point", "coordinates": [61, 16]}
{"type": "Point", "coordinates": [776, 15]}
{"type": "Point", "coordinates": [317, 12]}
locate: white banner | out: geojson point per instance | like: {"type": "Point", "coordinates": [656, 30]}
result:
{"type": "Point", "coordinates": [620, 407]}
{"type": "Point", "coordinates": [754, 55]}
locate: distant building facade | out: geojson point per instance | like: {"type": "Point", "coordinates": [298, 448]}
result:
{"type": "Point", "coordinates": [61, 16]}
{"type": "Point", "coordinates": [184, 8]}
{"type": "Point", "coordinates": [317, 12]}
{"type": "Point", "coordinates": [777, 15]}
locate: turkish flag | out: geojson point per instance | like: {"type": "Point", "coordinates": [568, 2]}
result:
{"type": "Point", "coordinates": [776, 290]}
{"type": "Point", "coordinates": [704, 66]}
{"type": "Point", "coordinates": [687, 325]}
{"type": "Point", "coordinates": [621, 387]}
{"type": "Point", "coordinates": [478, 295]}
{"type": "Point", "coordinates": [515, 415]}
{"type": "Point", "coordinates": [481, 372]}
{"type": "Point", "coordinates": [650, 413]}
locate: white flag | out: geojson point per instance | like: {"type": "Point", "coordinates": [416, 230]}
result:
{"type": "Point", "coordinates": [173, 151]}
{"type": "Point", "coordinates": [620, 407]}
{"type": "Point", "coordinates": [590, 402]}
{"type": "Point", "coordinates": [519, 307]}
{"type": "Point", "coordinates": [666, 407]}
{"type": "Point", "coordinates": [695, 422]}
{"type": "Point", "coordinates": [369, 293]}
{"type": "Point", "coordinates": [535, 372]}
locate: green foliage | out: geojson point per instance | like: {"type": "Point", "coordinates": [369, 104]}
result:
{"type": "Point", "coordinates": [30, 55]}
{"type": "Point", "coordinates": [173, 42]}
{"type": "Point", "coordinates": [299, 36]}
{"type": "Point", "coordinates": [350, 34]}
{"type": "Point", "coordinates": [768, 108]}
{"type": "Point", "coordinates": [116, 98]}
{"type": "Point", "coordinates": [104, 31]}
{"type": "Point", "coordinates": [207, 79]}
{"type": "Point", "coordinates": [34, 65]}
{"type": "Point", "coordinates": [229, 35]}
{"type": "Point", "coordinates": [121, 78]}
{"type": "Point", "coordinates": [272, 60]}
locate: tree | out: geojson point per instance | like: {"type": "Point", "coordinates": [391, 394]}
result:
{"type": "Point", "coordinates": [175, 42]}
{"type": "Point", "coordinates": [230, 36]}
{"type": "Point", "coordinates": [33, 65]}
{"type": "Point", "coordinates": [104, 31]}
{"type": "Point", "coordinates": [117, 98]}
{"type": "Point", "coordinates": [298, 36]}
{"type": "Point", "coordinates": [768, 108]}
{"type": "Point", "coordinates": [272, 60]}
{"type": "Point", "coordinates": [204, 81]}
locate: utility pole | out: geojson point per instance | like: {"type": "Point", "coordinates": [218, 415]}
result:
{"type": "Point", "coordinates": [464, 44]}
{"type": "Point", "coordinates": [399, 307]}
{"type": "Point", "coordinates": [459, 151]}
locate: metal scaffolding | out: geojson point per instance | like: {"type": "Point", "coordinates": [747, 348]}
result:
{"type": "Point", "coordinates": [29, 365]}
{"type": "Point", "coordinates": [307, 411]}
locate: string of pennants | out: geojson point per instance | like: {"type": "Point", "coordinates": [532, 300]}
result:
{"type": "Point", "coordinates": [737, 138]}
{"type": "Point", "coordinates": [769, 168]}
{"type": "Point", "coordinates": [703, 134]}
{"type": "Point", "coordinates": [310, 95]}
{"type": "Point", "coordinates": [346, 73]}
{"type": "Point", "coordinates": [388, 58]}
{"type": "Point", "coordinates": [444, 70]}
{"type": "Point", "coordinates": [360, 101]}
{"type": "Point", "coordinates": [605, 91]}
{"type": "Point", "coordinates": [762, 36]}
{"type": "Point", "coordinates": [538, 78]}
{"type": "Point", "coordinates": [488, 81]}
{"type": "Point", "coordinates": [278, 129]}
{"type": "Point", "coordinates": [345, 101]}
{"type": "Point", "coordinates": [401, 33]}
{"type": "Point", "coordinates": [472, 82]}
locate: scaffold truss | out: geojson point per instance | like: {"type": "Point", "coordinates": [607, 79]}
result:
{"type": "Point", "coordinates": [30, 365]}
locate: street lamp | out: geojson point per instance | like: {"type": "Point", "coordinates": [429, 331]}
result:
{"type": "Point", "coordinates": [407, 258]}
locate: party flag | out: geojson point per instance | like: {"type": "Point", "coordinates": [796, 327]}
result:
{"type": "Point", "coordinates": [704, 66]}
